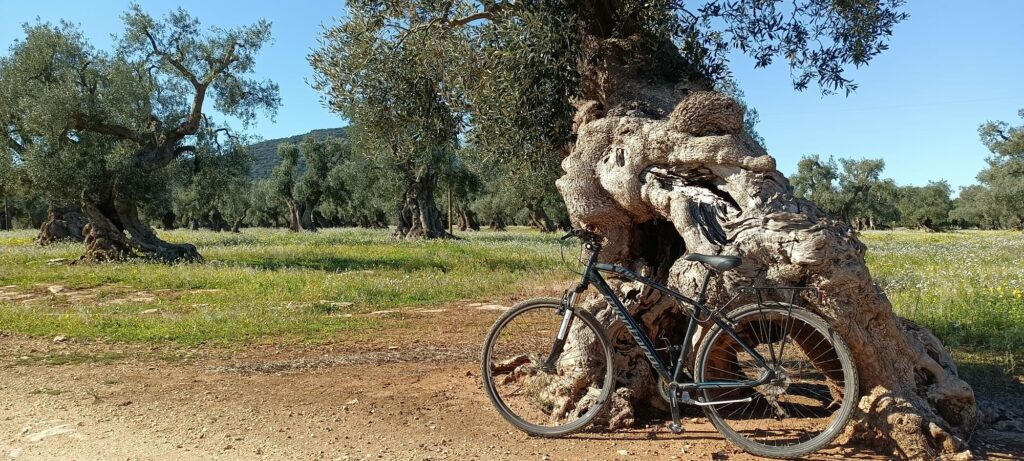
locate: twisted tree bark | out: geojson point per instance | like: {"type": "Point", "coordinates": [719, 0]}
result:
{"type": "Point", "coordinates": [418, 216]}
{"type": "Point", "coordinates": [657, 186]}
{"type": "Point", "coordinates": [116, 233]}
{"type": "Point", "coordinates": [62, 224]}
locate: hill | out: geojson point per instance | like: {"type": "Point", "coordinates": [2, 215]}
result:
{"type": "Point", "coordinates": [265, 153]}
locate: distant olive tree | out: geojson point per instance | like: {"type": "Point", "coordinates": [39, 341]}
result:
{"type": "Point", "coordinates": [851, 190]}
{"type": "Point", "coordinates": [1000, 200]}
{"type": "Point", "coordinates": [97, 127]}
{"type": "Point", "coordinates": [925, 207]}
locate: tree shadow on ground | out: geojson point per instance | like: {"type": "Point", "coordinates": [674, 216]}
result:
{"type": "Point", "coordinates": [1000, 394]}
{"type": "Point", "coordinates": [354, 264]}
{"type": "Point", "coordinates": [340, 264]}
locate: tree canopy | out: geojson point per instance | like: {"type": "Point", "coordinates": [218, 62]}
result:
{"type": "Point", "coordinates": [96, 126]}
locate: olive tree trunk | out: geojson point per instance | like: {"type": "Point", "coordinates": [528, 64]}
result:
{"type": "Point", "coordinates": [467, 219]}
{"type": "Point", "coordinates": [538, 218]}
{"type": "Point", "coordinates": [63, 224]}
{"type": "Point", "coordinates": [115, 232]}
{"type": "Point", "coordinates": [5, 220]}
{"type": "Point", "coordinates": [295, 212]}
{"type": "Point", "coordinates": [418, 216]}
{"type": "Point", "coordinates": [661, 167]}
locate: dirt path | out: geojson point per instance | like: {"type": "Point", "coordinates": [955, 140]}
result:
{"type": "Point", "coordinates": [411, 392]}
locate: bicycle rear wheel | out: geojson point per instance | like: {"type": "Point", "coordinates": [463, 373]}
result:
{"type": "Point", "coordinates": [805, 406]}
{"type": "Point", "coordinates": [561, 399]}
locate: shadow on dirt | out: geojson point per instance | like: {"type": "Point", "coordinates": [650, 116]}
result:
{"type": "Point", "coordinates": [1000, 395]}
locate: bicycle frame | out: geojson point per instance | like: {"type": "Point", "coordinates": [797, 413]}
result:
{"type": "Point", "coordinates": [592, 275]}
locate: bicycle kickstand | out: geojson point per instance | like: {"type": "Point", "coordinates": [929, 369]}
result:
{"type": "Point", "coordinates": [673, 394]}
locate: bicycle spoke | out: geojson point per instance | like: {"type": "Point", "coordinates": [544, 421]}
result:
{"type": "Point", "coordinates": [540, 400]}
{"type": "Point", "coordinates": [797, 405]}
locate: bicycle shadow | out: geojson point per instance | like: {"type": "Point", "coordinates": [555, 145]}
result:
{"type": "Point", "coordinates": [702, 432]}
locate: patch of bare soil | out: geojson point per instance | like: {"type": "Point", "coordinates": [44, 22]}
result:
{"type": "Point", "coordinates": [412, 391]}
{"type": "Point", "coordinates": [103, 295]}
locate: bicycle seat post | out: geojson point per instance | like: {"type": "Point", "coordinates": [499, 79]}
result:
{"type": "Point", "coordinates": [703, 297]}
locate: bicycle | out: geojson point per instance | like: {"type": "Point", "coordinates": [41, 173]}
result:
{"type": "Point", "coordinates": [774, 402]}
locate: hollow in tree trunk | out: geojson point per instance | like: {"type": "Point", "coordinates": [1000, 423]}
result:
{"type": "Point", "coordinates": [115, 233]}
{"type": "Point", "coordinates": [63, 224]}
{"type": "Point", "coordinates": [661, 167]}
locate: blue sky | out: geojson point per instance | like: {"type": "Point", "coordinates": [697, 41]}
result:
{"type": "Point", "coordinates": [951, 66]}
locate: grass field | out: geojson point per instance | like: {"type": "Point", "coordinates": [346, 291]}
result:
{"type": "Point", "coordinates": [263, 285]}
{"type": "Point", "coordinates": [270, 285]}
{"type": "Point", "coordinates": [967, 287]}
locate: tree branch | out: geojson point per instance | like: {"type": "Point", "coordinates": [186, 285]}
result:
{"type": "Point", "coordinates": [229, 58]}
{"type": "Point", "coordinates": [174, 62]}
{"type": "Point", "coordinates": [82, 123]}
{"type": "Point", "coordinates": [191, 125]}
{"type": "Point", "coordinates": [487, 14]}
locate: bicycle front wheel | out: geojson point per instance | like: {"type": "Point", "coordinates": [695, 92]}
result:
{"type": "Point", "coordinates": [808, 402]}
{"type": "Point", "coordinates": [540, 396]}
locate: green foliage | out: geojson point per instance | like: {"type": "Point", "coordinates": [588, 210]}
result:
{"type": "Point", "coordinates": [264, 153]}
{"type": "Point", "coordinates": [1003, 139]}
{"type": "Point", "coordinates": [816, 38]}
{"type": "Point", "coordinates": [925, 206]}
{"type": "Point", "coordinates": [851, 190]}
{"type": "Point", "coordinates": [267, 208]}
{"type": "Point", "coordinates": [393, 92]}
{"type": "Point", "coordinates": [211, 182]}
{"type": "Point", "coordinates": [998, 201]}
{"type": "Point", "coordinates": [285, 176]}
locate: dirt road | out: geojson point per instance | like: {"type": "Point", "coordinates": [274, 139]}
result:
{"type": "Point", "coordinates": [411, 392]}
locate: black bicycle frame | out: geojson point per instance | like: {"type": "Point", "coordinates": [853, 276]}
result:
{"type": "Point", "coordinates": [592, 275]}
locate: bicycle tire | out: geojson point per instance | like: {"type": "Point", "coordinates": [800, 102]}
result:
{"type": "Point", "coordinates": [496, 399]}
{"type": "Point", "coordinates": [850, 383]}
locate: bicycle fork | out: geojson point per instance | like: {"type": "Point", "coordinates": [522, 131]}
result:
{"type": "Point", "coordinates": [556, 349]}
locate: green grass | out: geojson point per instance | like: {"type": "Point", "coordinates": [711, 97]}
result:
{"type": "Point", "coordinates": [967, 287]}
{"type": "Point", "coordinates": [270, 285]}
{"type": "Point", "coordinates": [263, 284]}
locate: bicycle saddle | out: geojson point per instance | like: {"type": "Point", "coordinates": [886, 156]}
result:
{"type": "Point", "coordinates": [718, 263]}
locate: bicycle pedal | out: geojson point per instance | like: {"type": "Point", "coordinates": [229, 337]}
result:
{"type": "Point", "coordinates": [676, 428]}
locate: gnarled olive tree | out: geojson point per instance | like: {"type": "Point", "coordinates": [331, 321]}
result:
{"type": "Point", "coordinates": [98, 127]}
{"type": "Point", "coordinates": [396, 95]}
{"type": "Point", "coordinates": [661, 166]}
